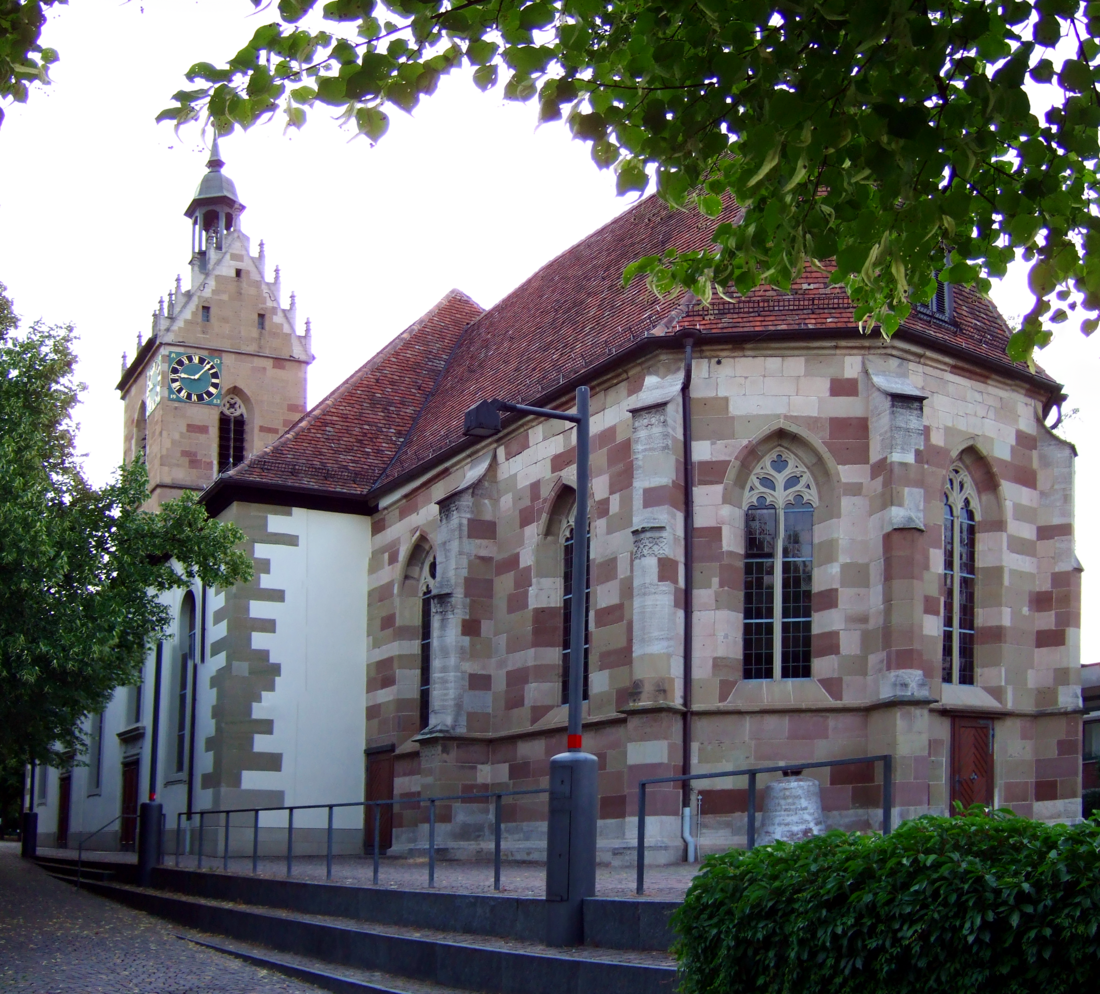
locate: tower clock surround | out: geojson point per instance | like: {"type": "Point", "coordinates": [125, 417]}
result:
{"type": "Point", "coordinates": [194, 378]}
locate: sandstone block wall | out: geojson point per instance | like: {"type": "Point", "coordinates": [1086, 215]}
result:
{"type": "Point", "coordinates": [878, 427]}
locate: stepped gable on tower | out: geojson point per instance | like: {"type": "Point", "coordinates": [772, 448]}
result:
{"type": "Point", "coordinates": [344, 443]}
{"type": "Point", "coordinates": [229, 317]}
{"type": "Point", "coordinates": [566, 322]}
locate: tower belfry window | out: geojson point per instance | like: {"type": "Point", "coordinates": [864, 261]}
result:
{"type": "Point", "coordinates": [231, 433]}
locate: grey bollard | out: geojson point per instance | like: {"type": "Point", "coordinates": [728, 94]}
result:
{"type": "Point", "coordinates": [148, 841]}
{"type": "Point", "coordinates": [570, 846]}
{"type": "Point", "coordinates": [29, 849]}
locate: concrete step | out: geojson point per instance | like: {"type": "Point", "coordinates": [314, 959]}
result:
{"type": "Point", "coordinates": [340, 980]}
{"type": "Point", "coordinates": [468, 962]}
{"type": "Point", "coordinates": [610, 923]}
{"type": "Point", "coordinates": [84, 876]}
{"type": "Point", "coordinates": [67, 869]}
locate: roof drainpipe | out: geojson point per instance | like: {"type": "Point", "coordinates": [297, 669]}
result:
{"type": "Point", "coordinates": [688, 336]}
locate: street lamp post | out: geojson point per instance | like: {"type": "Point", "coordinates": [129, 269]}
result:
{"type": "Point", "coordinates": [571, 828]}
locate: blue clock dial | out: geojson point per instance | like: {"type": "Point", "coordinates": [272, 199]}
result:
{"type": "Point", "coordinates": [194, 378]}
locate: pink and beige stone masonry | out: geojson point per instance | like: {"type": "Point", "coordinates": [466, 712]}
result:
{"type": "Point", "coordinates": [878, 427]}
{"type": "Point", "coordinates": [262, 367]}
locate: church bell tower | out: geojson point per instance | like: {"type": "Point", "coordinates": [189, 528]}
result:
{"type": "Point", "coordinates": [223, 371]}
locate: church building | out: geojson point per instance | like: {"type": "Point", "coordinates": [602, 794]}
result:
{"type": "Point", "coordinates": [805, 544]}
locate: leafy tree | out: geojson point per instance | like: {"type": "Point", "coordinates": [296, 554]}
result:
{"type": "Point", "coordinates": [894, 136]}
{"type": "Point", "coordinates": [23, 62]}
{"type": "Point", "coordinates": [81, 568]}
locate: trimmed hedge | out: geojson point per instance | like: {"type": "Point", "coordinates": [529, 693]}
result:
{"type": "Point", "coordinates": [983, 902]}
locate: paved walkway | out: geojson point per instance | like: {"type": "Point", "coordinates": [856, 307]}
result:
{"type": "Point", "coordinates": [55, 939]}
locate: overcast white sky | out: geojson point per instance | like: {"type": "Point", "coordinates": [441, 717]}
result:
{"type": "Point", "coordinates": [465, 194]}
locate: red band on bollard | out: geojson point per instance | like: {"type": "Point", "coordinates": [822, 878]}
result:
{"type": "Point", "coordinates": [574, 741]}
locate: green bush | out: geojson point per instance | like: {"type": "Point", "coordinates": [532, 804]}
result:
{"type": "Point", "coordinates": [1090, 802]}
{"type": "Point", "coordinates": [981, 903]}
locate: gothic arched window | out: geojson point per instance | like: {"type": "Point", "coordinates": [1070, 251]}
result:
{"type": "Point", "coordinates": [567, 602]}
{"type": "Point", "coordinates": [231, 433]}
{"type": "Point", "coordinates": [426, 645]}
{"type": "Point", "coordinates": [779, 543]}
{"type": "Point", "coordinates": [960, 533]}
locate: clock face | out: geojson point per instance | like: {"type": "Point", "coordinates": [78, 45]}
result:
{"type": "Point", "coordinates": [194, 378]}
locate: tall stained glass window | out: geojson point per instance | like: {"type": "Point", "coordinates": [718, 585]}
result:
{"type": "Point", "coordinates": [960, 532]}
{"type": "Point", "coordinates": [426, 646]}
{"type": "Point", "coordinates": [779, 546]}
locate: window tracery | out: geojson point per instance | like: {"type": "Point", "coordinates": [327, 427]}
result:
{"type": "Point", "coordinates": [779, 508]}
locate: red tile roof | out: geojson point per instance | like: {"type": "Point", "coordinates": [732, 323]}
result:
{"type": "Point", "coordinates": [346, 441]}
{"type": "Point", "coordinates": [406, 405]}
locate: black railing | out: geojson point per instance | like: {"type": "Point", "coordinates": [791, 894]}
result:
{"type": "Point", "coordinates": [752, 774]}
{"type": "Point", "coordinates": [80, 846]}
{"type": "Point", "coordinates": [496, 796]}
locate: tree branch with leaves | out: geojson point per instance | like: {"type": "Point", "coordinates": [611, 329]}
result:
{"type": "Point", "coordinates": [897, 138]}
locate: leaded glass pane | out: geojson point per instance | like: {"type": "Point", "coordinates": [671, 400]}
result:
{"type": "Point", "coordinates": [798, 569]}
{"type": "Point", "coordinates": [758, 636]}
{"type": "Point", "coordinates": [760, 532]}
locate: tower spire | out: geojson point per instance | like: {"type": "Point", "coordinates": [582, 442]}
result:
{"type": "Point", "coordinates": [214, 211]}
{"type": "Point", "coordinates": [215, 161]}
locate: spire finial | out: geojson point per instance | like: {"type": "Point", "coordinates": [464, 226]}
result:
{"type": "Point", "coordinates": [215, 161]}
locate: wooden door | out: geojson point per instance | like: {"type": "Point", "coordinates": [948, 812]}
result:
{"type": "Point", "coordinates": [64, 796]}
{"type": "Point", "coordinates": [127, 836]}
{"type": "Point", "coordinates": [379, 788]}
{"type": "Point", "coordinates": [971, 761]}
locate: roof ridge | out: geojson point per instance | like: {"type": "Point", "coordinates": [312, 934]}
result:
{"type": "Point", "coordinates": [352, 379]}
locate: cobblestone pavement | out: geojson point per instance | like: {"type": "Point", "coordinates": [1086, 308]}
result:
{"type": "Point", "coordinates": [666, 883]}
{"type": "Point", "coordinates": [55, 939]}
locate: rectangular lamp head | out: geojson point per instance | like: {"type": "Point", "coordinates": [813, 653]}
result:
{"type": "Point", "coordinates": [482, 420]}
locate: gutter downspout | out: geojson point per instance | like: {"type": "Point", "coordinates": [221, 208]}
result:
{"type": "Point", "coordinates": [688, 337]}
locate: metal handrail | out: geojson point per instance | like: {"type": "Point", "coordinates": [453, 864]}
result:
{"type": "Point", "coordinates": [752, 773]}
{"type": "Point", "coordinates": [496, 796]}
{"type": "Point", "coordinates": [80, 845]}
